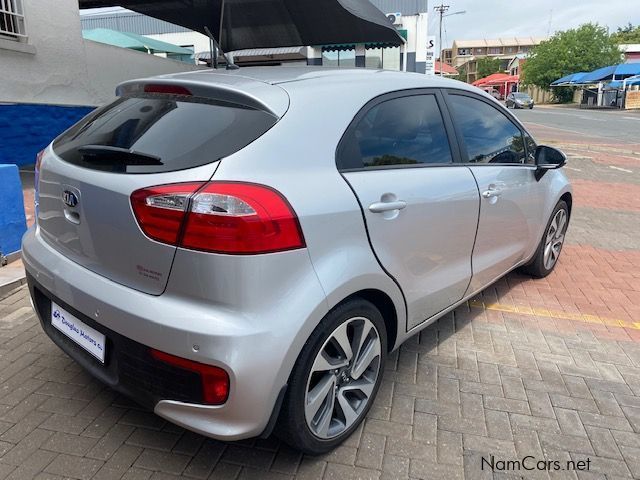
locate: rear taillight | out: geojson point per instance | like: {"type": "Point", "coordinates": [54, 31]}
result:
{"type": "Point", "coordinates": [160, 210]}
{"type": "Point", "coordinates": [222, 217]}
{"type": "Point", "coordinates": [215, 381]}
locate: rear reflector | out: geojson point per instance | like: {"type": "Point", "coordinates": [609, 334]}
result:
{"type": "Point", "coordinates": [168, 89]}
{"type": "Point", "coordinates": [221, 217]}
{"type": "Point", "coordinates": [215, 381]}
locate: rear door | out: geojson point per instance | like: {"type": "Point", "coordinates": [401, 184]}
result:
{"type": "Point", "coordinates": [500, 155]}
{"type": "Point", "coordinates": [138, 141]}
{"type": "Point", "coordinates": [420, 208]}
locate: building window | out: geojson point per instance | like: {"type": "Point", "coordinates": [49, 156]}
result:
{"type": "Point", "coordinates": [373, 58]}
{"type": "Point", "coordinates": [391, 58]}
{"type": "Point", "coordinates": [464, 51]}
{"type": "Point", "coordinates": [495, 51]}
{"type": "Point", "coordinates": [339, 58]}
{"type": "Point", "coordinates": [12, 19]}
{"type": "Point", "coordinates": [387, 58]}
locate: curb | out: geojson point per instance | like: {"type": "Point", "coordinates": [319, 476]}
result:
{"type": "Point", "coordinates": [9, 287]}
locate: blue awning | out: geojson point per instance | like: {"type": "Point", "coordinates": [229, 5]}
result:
{"type": "Point", "coordinates": [562, 80]}
{"type": "Point", "coordinates": [618, 83]}
{"type": "Point", "coordinates": [628, 69]}
{"type": "Point", "coordinates": [599, 74]}
{"type": "Point", "coordinates": [617, 72]}
{"type": "Point", "coordinates": [569, 79]}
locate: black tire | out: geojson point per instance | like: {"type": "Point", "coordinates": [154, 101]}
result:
{"type": "Point", "coordinates": [536, 267]}
{"type": "Point", "coordinates": [292, 427]}
{"type": "Point", "coordinates": [530, 107]}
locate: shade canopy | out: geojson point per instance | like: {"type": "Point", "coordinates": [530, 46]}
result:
{"type": "Point", "coordinates": [628, 69]}
{"type": "Point", "coordinates": [573, 79]}
{"type": "Point", "coordinates": [270, 23]}
{"type": "Point", "coordinates": [132, 41]}
{"type": "Point", "coordinates": [621, 83]}
{"type": "Point", "coordinates": [599, 74]}
{"type": "Point", "coordinates": [612, 72]}
{"type": "Point", "coordinates": [496, 79]}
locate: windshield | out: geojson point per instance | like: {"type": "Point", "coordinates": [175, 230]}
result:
{"type": "Point", "coordinates": [521, 96]}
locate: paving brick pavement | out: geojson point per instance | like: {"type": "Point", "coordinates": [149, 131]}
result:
{"type": "Point", "coordinates": [545, 369]}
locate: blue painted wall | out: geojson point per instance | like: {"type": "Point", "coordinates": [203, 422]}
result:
{"type": "Point", "coordinates": [12, 219]}
{"type": "Point", "coordinates": [25, 129]}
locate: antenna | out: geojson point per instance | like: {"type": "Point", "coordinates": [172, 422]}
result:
{"type": "Point", "coordinates": [215, 46]}
{"type": "Point", "coordinates": [549, 26]}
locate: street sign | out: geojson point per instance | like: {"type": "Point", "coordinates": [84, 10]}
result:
{"type": "Point", "coordinates": [430, 65]}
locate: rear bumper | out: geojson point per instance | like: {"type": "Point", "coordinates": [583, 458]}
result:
{"type": "Point", "coordinates": [256, 349]}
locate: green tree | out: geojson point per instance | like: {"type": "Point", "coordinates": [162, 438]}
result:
{"type": "Point", "coordinates": [581, 49]}
{"type": "Point", "coordinates": [487, 66]}
{"type": "Point", "coordinates": [628, 34]}
{"type": "Point", "coordinates": [462, 74]}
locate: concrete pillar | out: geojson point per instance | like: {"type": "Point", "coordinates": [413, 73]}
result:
{"type": "Point", "coordinates": [421, 43]}
{"type": "Point", "coordinates": [360, 55]}
{"type": "Point", "coordinates": [314, 55]}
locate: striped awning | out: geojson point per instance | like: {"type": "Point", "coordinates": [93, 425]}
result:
{"type": "Point", "coordinates": [258, 52]}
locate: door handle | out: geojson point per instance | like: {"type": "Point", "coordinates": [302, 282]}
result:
{"type": "Point", "coordinates": [492, 192]}
{"type": "Point", "coordinates": [380, 207]}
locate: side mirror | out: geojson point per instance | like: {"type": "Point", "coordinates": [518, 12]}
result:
{"type": "Point", "coordinates": [548, 158]}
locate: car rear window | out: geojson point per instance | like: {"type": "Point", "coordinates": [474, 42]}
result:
{"type": "Point", "coordinates": [152, 133]}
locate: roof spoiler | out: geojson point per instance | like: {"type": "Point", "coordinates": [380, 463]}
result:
{"type": "Point", "coordinates": [229, 88]}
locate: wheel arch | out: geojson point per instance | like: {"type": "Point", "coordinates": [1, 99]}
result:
{"type": "Point", "coordinates": [568, 199]}
{"type": "Point", "coordinates": [387, 309]}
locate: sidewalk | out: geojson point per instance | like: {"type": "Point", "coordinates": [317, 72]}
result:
{"type": "Point", "coordinates": [11, 277]}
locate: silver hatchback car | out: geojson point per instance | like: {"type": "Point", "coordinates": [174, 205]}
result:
{"type": "Point", "coordinates": [240, 251]}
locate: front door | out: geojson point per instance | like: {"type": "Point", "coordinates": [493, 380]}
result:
{"type": "Point", "coordinates": [420, 208]}
{"type": "Point", "coordinates": [500, 156]}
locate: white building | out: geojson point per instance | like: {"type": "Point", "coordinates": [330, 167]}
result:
{"type": "Point", "coordinates": [51, 76]}
{"type": "Point", "coordinates": [409, 16]}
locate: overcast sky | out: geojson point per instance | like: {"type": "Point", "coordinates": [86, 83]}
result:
{"type": "Point", "coordinates": [525, 18]}
{"type": "Point", "coordinates": [522, 18]}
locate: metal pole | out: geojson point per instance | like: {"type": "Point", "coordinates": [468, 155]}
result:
{"type": "Point", "coordinates": [441, 9]}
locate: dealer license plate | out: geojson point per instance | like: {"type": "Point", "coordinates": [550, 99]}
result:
{"type": "Point", "coordinates": [81, 333]}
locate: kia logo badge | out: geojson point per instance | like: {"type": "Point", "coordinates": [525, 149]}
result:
{"type": "Point", "coordinates": [70, 199]}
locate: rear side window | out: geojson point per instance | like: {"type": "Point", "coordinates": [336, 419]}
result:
{"type": "Point", "coordinates": [151, 133]}
{"type": "Point", "coordinates": [397, 132]}
{"type": "Point", "coordinates": [489, 136]}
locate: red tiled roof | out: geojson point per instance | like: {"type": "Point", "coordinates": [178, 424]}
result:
{"type": "Point", "coordinates": [446, 69]}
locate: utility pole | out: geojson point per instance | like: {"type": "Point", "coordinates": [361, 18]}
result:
{"type": "Point", "coordinates": [441, 9]}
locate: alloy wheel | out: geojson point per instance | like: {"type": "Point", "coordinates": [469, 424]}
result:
{"type": "Point", "coordinates": [343, 378]}
{"type": "Point", "coordinates": [555, 238]}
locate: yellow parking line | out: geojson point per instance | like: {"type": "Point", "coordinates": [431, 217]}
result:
{"type": "Point", "coordinates": [543, 312]}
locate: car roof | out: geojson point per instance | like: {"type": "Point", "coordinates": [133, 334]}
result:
{"type": "Point", "coordinates": [309, 83]}
{"type": "Point", "coordinates": [311, 74]}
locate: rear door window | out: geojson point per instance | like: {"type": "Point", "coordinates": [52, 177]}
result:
{"type": "Point", "coordinates": [152, 133]}
{"type": "Point", "coordinates": [402, 131]}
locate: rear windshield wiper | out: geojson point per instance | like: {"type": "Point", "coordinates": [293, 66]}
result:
{"type": "Point", "coordinates": [106, 155]}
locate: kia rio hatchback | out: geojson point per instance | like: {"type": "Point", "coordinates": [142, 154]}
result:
{"type": "Point", "coordinates": [239, 251]}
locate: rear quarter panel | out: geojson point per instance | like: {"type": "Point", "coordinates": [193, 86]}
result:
{"type": "Point", "coordinates": [297, 157]}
